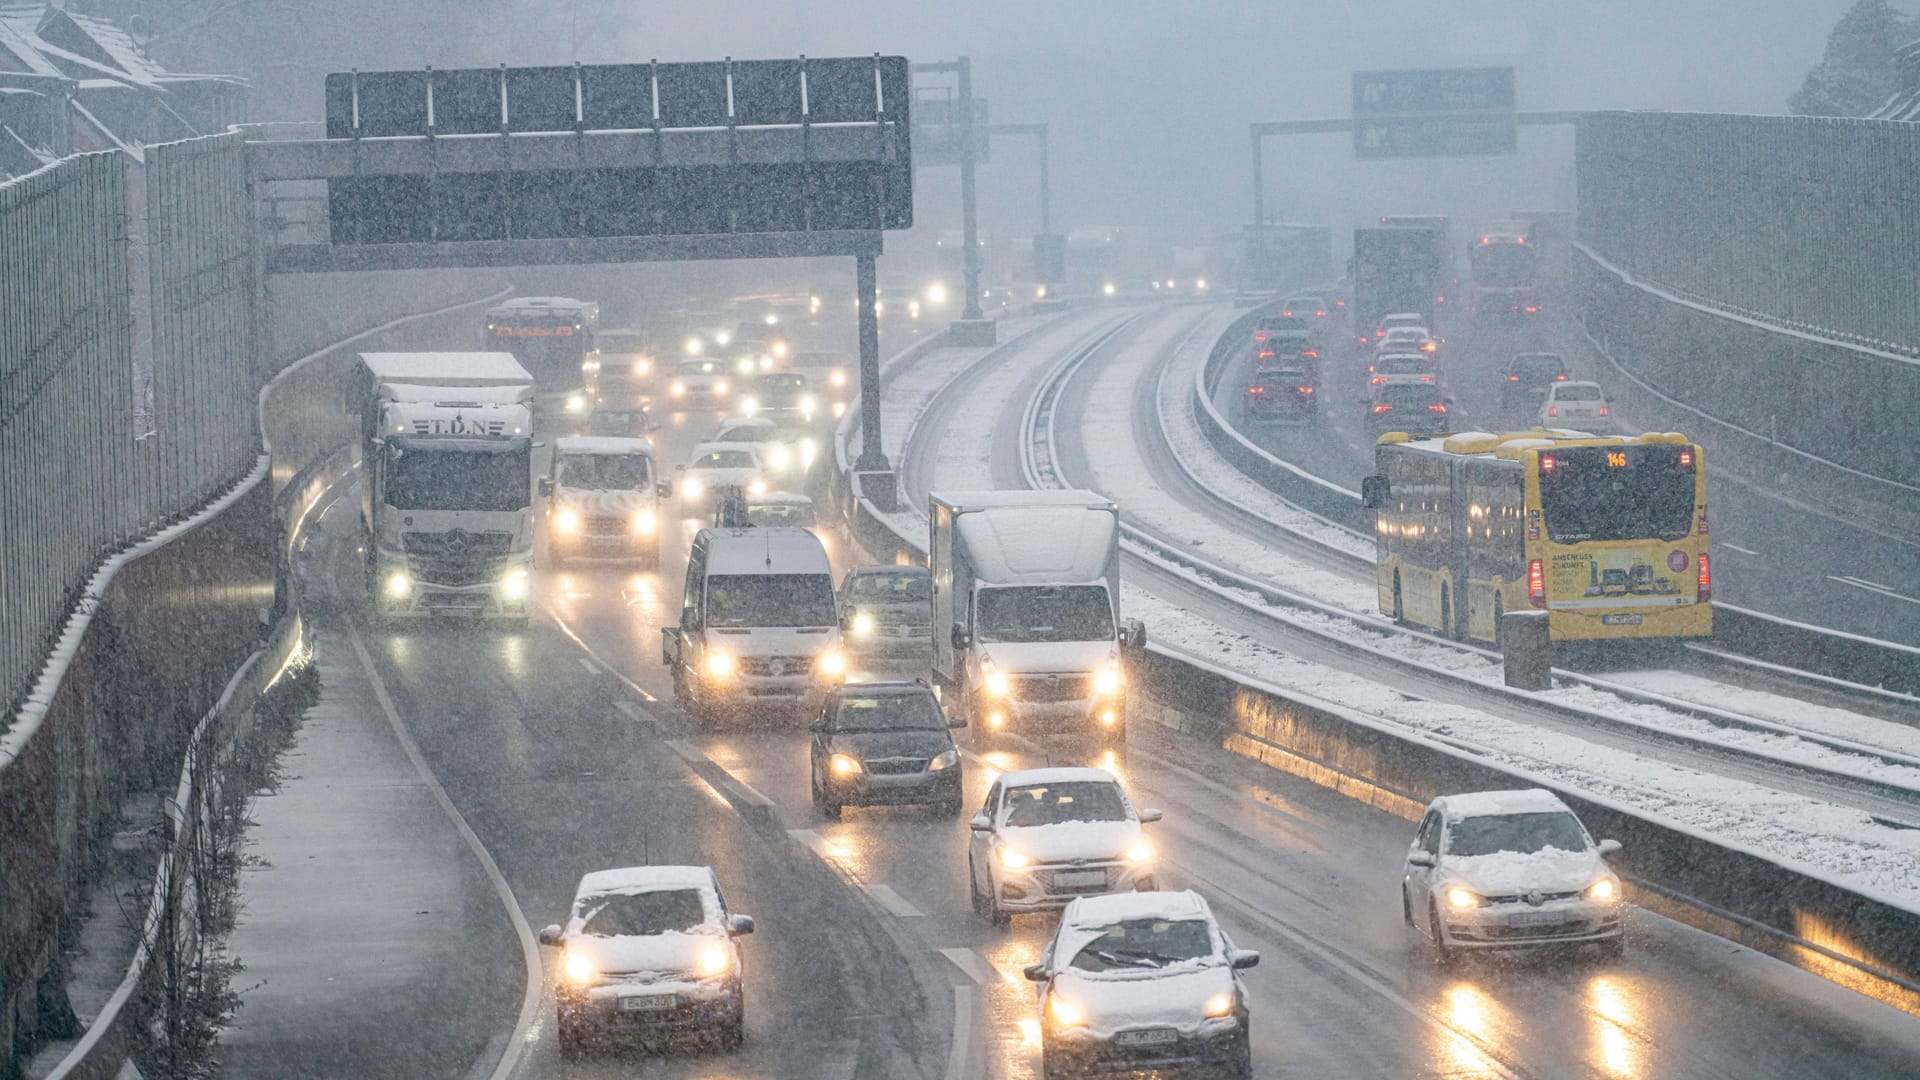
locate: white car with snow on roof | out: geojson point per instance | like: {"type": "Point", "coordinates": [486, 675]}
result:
{"type": "Point", "coordinates": [1510, 869]}
{"type": "Point", "coordinates": [649, 951]}
{"type": "Point", "coordinates": [1143, 981]}
{"type": "Point", "coordinates": [1045, 837]}
{"type": "Point", "coordinates": [715, 467]}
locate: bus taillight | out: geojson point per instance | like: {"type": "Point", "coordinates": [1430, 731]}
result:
{"type": "Point", "coordinates": [1537, 581]}
{"type": "Point", "coordinates": [1706, 580]}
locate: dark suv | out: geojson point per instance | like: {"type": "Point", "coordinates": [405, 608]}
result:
{"type": "Point", "coordinates": [1283, 393]}
{"type": "Point", "coordinates": [1528, 376]}
{"type": "Point", "coordinates": [884, 743]}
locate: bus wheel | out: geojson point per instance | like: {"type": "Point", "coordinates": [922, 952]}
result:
{"type": "Point", "coordinates": [1399, 612]}
{"type": "Point", "coordinates": [1446, 613]}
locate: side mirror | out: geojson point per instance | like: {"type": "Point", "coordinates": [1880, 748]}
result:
{"type": "Point", "coordinates": [981, 823]}
{"type": "Point", "coordinates": [1150, 815]}
{"type": "Point", "coordinates": [1242, 959]}
{"type": "Point", "coordinates": [1136, 636]}
{"type": "Point", "coordinates": [664, 489]}
{"type": "Point", "coordinates": [960, 638]}
{"type": "Point", "coordinates": [739, 925]}
{"type": "Point", "coordinates": [957, 722]}
{"type": "Point", "coordinates": [819, 725]}
{"type": "Point", "coordinates": [550, 934]}
{"type": "Point", "coordinates": [546, 486]}
{"type": "Point", "coordinates": [1034, 973]}
{"type": "Point", "coordinates": [1374, 491]}
{"type": "Point", "coordinates": [1421, 858]}
{"type": "Point", "coordinates": [1608, 847]}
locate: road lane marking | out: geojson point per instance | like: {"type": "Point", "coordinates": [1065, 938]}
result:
{"type": "Point", "coordinates": [975, 966]}
{"type": "Point", "coordinates": [1873, 587]}
{"type": "Point", "coordinates": [589, 650]}
{"type": "Point", "coordinates": [529, 947]}
{"type": "Point", "coordinates": [736, 787]}
{"type": "Point", "coordinates": [819, 845]}
{"type": "Point", "coordinates": [892, 902]}
{"type": "Point", "coordinates": [959, 1067]}
{"type": "Point", "coordinates": [589, 665]}
{"type": "Point", "coordinates": [1738, 548]}
{"type": "Point", "coordinates": [633, 713]}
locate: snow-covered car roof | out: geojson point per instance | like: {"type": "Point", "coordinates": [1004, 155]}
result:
{"type": "Point", "coordinates": [639, 879]}
{"type": "Point", "coordinates": [780, 498]}
{"type": "Point", "coordinates": [1056, 775]}
{"type": "Point", "coordinates": [766, 549]}
{"type": "Point", "coordinates": [1121, 907]}
{"type": "Point", "coordinates": [1490, 803]}
{"type": "Point", "coordinates": [602, 444]}
{"type": "Point", "coordinates": [701, 450]}
{"type": "Point", "coordinates": [737, 422]}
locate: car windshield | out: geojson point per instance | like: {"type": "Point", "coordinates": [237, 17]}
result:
{"type": "Point", "coordinates": [1400, 365]}
{"type": "Point", "coordinates": [888, 712]}
{"type": "Point", "coordinates": [1037, 613]}
{"type": "Point", "coordinates": [1521, 833]}
{"type": "Point", "coordinates": [617, 422]}
{"type": "Point", "coordinates": [700, 367]}
{"type": "Point", "coordinates": [1281, 377]}
{"type": "Point", "coordinates": [1056, 804]}
{"type": "Point", "coordinates": [1577, 392]}
{"type": "Point", "coordinates": [1538, 367]}
{"type": "Point", "coordinates": [1409, 395]}
{"type": "Point", "coordinates": [457, 474]}
{"type": "Point", "coordinates": [779, 389]}
{"type": "Point", "coordinates": [725, 459]}
{"type": "Point", "coordinates": [642, 914]}
{"type": "Point", "coordinates": [1145, 943]}
{"type": "Point", "coordinates": [770, 600]}
{"type": "Point", "coordinates": [891, 588]}
{"type": "Point", "coordinates": [793, 513]}
{"type": "Point", "coordinates": [606, 472]}
{"type": "Point", "coordinates": [753, 433]}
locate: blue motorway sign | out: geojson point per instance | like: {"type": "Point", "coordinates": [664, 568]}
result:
{"type": "Point", "coordinates": [1446, 112]}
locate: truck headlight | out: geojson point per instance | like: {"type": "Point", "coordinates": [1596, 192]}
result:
{"type": "Point", "coordinates": [862, 625]}
{"type": "Point", "coordinates": [515, 585]}
{"type": "Point", "coordinates": [399, 585]}
{"type": "Point", "coordinates": [844, 765]}
{"type": "Point", "coordinates": [719, 665]}
{"type": "Point", "coordinates": [567, 521]}
{"type": "Point", "coordinates": [645, 522]}
{"type": "Point", "coordinates": [945, 760]}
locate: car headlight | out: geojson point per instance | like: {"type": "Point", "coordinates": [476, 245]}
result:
{"type": "Point", "coordinates": [722, 338]}
{"type": "Point", "coordinates": [845, 765]}
{"type": "Point", "coordinates": [756, 486]}
{"type": "Point", "coordinates": [715, 959]}
{"type": "Point", "coordinates": [589, 365]}
{"type": "Point", "coordinates": [749, 405]}
{"type": "Point", "coordinates": [721, 388]}
{"type": "Point", "coordinates": [576, 402]}
{"type": "Point", "coordinates": [780, 349]}
{"type": "Point", "coordinates": [677, 388]}
{"type": "Point", "coordinates": [779, 458]}
{"type": "Point", "coordinates": [719, 664]}
{"type": "Point", "coordinates": [808, 403]}
{"type": "Point", "coordinates": [1603, 890]}
{"type": "Point", "coordinates": [837, 377]}
{"type": "Point", "coordinates": [642, 367]}
{"type": "Point", "coordinates": [567, 521]}
{"type": "Point", "coordinates": [1064, 1012]}
{"type": "Point", "coordinates": [766, 363]}
{"type": "Point", "coordinates": [1140, 852]}
{"type": "Point", "coordinates": [1219, 1004]}
{"type": "Point", "coordinates": [579, 969]}
{"type": "Point", "coordinates": [744, 365]}
{"type": "Point", "coordinates": [692, 488]}
{"type": "Point", "coordinates": [943, 761]}
{"type": "Point", "coordinates": [1106, 681]}
{"type": "Point", "coordinates": [1014, 859]}
{"type": "Point", "coordinates": [839, 409]}
{"type": "Point", "coordinates": [399, 585]}
{"type": "Point", "coordinates": [645, 522]}
{"type": "Point", "coordinates": [863, 625]}
{"type": "Point", "coordinates": [1464, 898]}
{"type": "Point", "coordinates": [693, 346]}
{"type": "Point", "coordinates": [809, 449]}
{"type": "Point", "coordinates": [998, 685]}
{"type": "Point", "coordinates": [515, 585]}
{"type": "Point", "coordinates": [833, 663]}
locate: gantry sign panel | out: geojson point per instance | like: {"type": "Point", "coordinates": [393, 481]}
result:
{"type": "Point", "coordinates": [806, 146]}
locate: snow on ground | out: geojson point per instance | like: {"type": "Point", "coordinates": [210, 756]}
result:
{"type": "Point", "coordinates": [1836, 842]}
{"type": "Point", "coordinates": [1822, 719]}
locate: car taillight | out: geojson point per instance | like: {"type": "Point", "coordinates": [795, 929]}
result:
{"type": "Point", "coordinates": [1531, 309]}
{"type": "Point", "coordinates": [1266, 354]}
{"type": "Point", "coordinates": [1429, 347]}
{"type": "Point", "coordinates": [1260, 336]}
{"type": "Point", "coordinates": [1379, 333]}
{"type": "Point", "coordinates": [1378, 379]}
{"type": "Point", "coordinates": [1513, 378]}
{"type": "Point", "coordinates": [1311, 354]}
{"type": "Point", "coordinates": [1256, 389]}
{"type": "Point", "coordinates": [1437, 408]}
{"type": "Point", "coordinates": [1553, 410]}
{"type": "Point", "coordinates": [1439, 299]}
{"type": "Point", "coordinates": [1309, 390]}
{"type": "Point", "coordinates": [1378, 409]}
{"type": "Point", "coordinates": [1706, 580]}
{"type": "Point", "coordinates": [1287, 314]}
{"type": "Point", "coordinates": [1560, 378]}
{"type": "Point", "coordinates": [1536, 584]}
{"type": "Point", "coordinates": [1339, 303]}
{"type": "Point", "coordinates": [1603, 410]}
{"type": "Point", "coordinates": [1321, 314]}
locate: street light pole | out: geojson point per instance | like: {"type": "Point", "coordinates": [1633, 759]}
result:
{"type": "Point", "coordinates": [970, 225]}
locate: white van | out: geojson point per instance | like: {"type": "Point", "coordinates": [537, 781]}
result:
{"type": "Point", "coordinates": [758, 624]}
{"type": "Point", "coordinates": [603, 501]}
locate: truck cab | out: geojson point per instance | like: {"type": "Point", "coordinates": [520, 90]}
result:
{"type": "Point", "coordinates": [1027, 638]}
{"type": "Point", "coordinates": [759, 627]}
{"type": "Point", "coordinates": [602, 499]}
{"type": "Point", "coordinates": [446, 497]}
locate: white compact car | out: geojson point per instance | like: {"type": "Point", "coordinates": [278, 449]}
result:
{"type": "Point", "coordinates": [1507, 869]}
{"type": "Point", "coordinates": [1143, 982]}
{"type": "Point", "coordinates": [1047, 836]}
{"type": "Point", "coordinates": [650, 951]}
{"type": "Point", "coordinates": [1573, 401]}
{"type": "Point", "coordinates": [699, 381]}
{"type": "Point", "coordinates": [717, 466]}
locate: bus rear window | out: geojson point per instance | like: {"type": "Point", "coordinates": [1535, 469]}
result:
{"type": "Point", "coordinates": [1617, 493]}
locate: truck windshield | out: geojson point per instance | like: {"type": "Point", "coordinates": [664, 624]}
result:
{"type": "Point", "coordinates": [1039, 613]}
{"type": "Point", "coordinates": [770, 600]}
{"type": "Point", "coordinates": [457, 474]}
{"type": "Point", "coordinates": [605, 472]}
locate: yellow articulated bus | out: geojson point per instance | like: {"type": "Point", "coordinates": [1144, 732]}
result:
{"type": "Point", "coordinates": [1607, 534]}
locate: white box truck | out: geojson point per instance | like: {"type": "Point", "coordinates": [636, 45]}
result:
{"type": "Point", "coordinates": [447, 483]}
{"type": "Point", "coordinates": [1027, 637]}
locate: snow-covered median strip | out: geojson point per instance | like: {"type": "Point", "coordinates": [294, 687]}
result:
{"type": "Point", "coordinates": [1839, 843]}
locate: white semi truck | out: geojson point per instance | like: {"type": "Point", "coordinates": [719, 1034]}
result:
{"type": "Point", "coordinates": [446, 494]}
{"type": "Point", "coordinates": [1027, 637]}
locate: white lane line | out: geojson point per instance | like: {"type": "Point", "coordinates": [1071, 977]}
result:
{"type": "Point", "coordinates": [592, 669]}
{"type": "Point", "coordinates": [633, 713]}
{"type": "Point", "coordinates": [892, 902]}
{"type": "Point", "coordinates": [959, 1067]}
{"type": "Point", "coordinates": [589, 650]}
{"type": "Point", "coordinates": [529, 948]}
{"type": "Point", "coordinates": [973, 965]}
{"type": "Point", "coordinates": [688, 751]}
{"type": "Point", "coordinates": [817, 844]}
{"type": "Point", "coordinates": [1873, 587]}
{"type": "Point", "coordinates": [1736, 547]}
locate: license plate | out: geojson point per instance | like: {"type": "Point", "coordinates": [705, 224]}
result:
{"type": "Point", "coordinates": [648, 1002]}
{"type": "Point", "coordinates": [1148, 1037]}
{"type": "Point", "coordinates": [1620, 620]}
{"type": "Point", "coordinates": [1536, 918]}
{"type": "Point", "coordinates": [1079, 879]}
